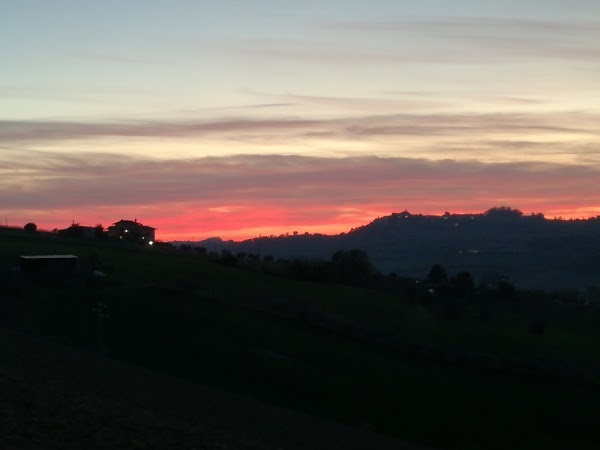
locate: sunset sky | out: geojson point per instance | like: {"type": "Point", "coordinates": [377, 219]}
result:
{"type": "Point", "coordinates": [241, 118]}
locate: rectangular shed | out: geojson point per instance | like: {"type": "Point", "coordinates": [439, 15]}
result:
{"type": "Point", "coordinates": [55, 264]}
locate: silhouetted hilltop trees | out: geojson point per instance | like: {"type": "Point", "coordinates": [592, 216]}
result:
{"type": "Point", "coordinates": [345, 266]}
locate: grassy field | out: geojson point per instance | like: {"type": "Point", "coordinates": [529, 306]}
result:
{"type": "Point", "coordinates": [365, 357]}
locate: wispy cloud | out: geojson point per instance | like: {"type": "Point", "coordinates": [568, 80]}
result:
{"type": "Point", "coordinates": [404, 101]}
{"type": "Point", "coordinates": [560, 137]}
{"type": "Point", "coordinates": [297, 190]}
{"type": "Point", "coordinates": [96, 94]}
{"type": "Point", "coordinates": [259, 106]}
{"type": "Point", "coordinates": [472, 41]}
{"type": "Point", "coordinates": [478, 25]}
{"type": "Point", "coordinates": [381, 125]}
{"type": "Point", "coordinates": [108, 57]}
{"type": "Point", "coordinates": [32, 130]}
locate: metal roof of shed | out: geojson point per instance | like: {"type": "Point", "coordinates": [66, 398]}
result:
{"type": "Point", "coordinates": [48, 256]}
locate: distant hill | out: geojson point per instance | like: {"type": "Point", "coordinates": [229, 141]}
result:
{"type": "Point", "coordinates": [533, 251]}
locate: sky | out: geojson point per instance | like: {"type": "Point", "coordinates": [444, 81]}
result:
{"type": "Point", "coordinates": [263, 117]}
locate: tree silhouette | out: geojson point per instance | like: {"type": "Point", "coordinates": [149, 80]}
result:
{"type": "Point", "coordinates": [503, 211]}
{"type": "Point", "coordinates": [506, 289]}
{"type": "Point", "coordinates": [75, 230]}
{"type": "Point", "coordinates": [462, 284]}
{"type": "Point", "coordinates": [437, 275]}
{"type": "Point", "coordinates": [30, 227]}
{"type": "Point", "coordinates": [99, 232]}
{"type": "Point", "coordinates": [351, 265]}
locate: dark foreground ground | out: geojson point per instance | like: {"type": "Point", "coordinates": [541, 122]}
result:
{"type": "Point", "coordinates": [56, 397]}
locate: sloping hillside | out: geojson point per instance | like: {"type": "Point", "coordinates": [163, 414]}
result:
{"type": "Point", "coordinates": [533, 251]}
{"type": "Point", "coordinates": [452, 373]}
{"type": "Point", "coordinates": [56, 397]}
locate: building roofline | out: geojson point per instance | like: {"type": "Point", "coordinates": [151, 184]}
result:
{"type": "Point", "coordinates": [134, 222]}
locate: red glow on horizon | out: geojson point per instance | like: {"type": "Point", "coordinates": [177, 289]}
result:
{"type": "Point", "coordinates": [246, 223]}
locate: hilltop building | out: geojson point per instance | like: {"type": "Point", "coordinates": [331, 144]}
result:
{"type": "Point", "coordinates": [132, 230]}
